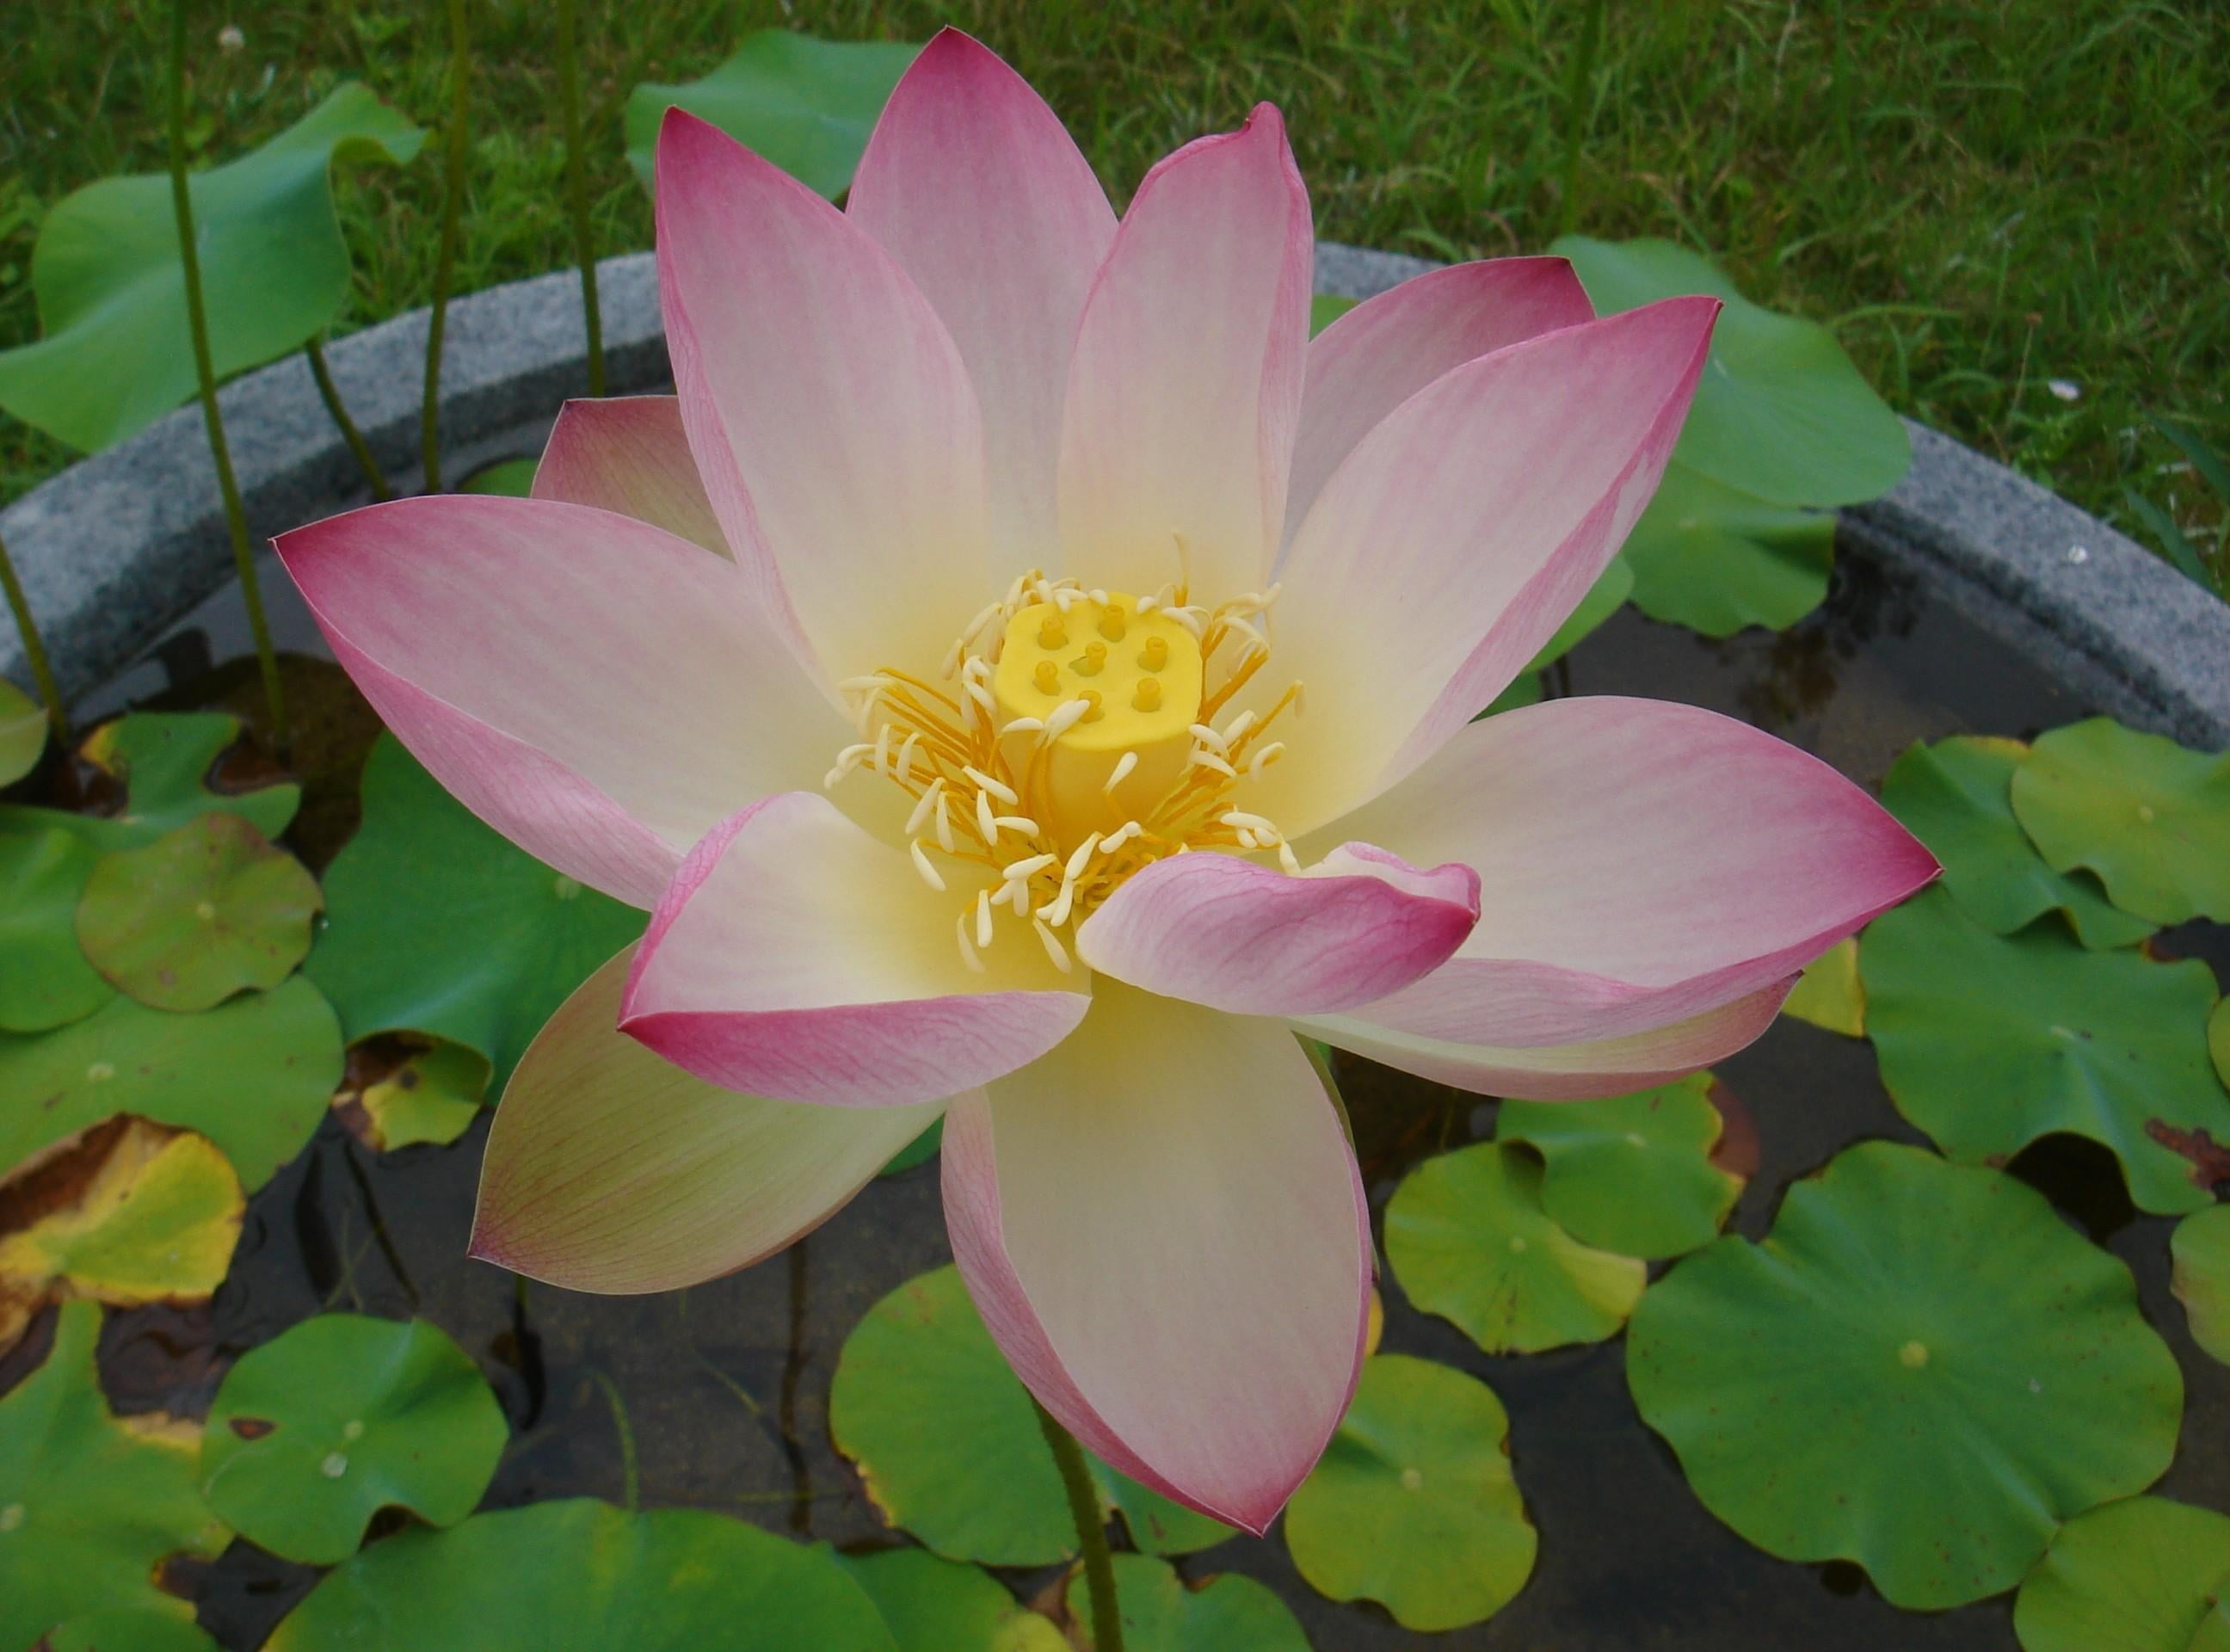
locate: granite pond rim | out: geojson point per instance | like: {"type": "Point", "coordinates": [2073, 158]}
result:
{"type": "Point", "coordinates": [118, 547]}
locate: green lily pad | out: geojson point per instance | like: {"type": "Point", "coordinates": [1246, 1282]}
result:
{"type": "Point", "coordinates": [1631, 1174]}
{"type": "Point", "coordinates": [130, 1628]}
{"type": "Point", "coordinates": [1956, 797]}
{"type": "Point", "coordinates": [2213, 1632]}
{"type": "Point", "coordinates": [90, 1505]}
{"type": "Point", "coordinates": [22, 732]}
{"type": "Point", "coordinates": [1922, 1369]}
{"type": "Point", "coordinates": [110, 288]}
{"type": "Point", "coordinates": [2151, 819]}
{"type": "Point", "coordinates": [402, 1090]}
{"type": "Point", "coordinates": [1324, 308]}
{"type": "Point", "coordinates": [164, 764]}
{"type": "Point", "coordinates": [2136, 1576]}
{"type": "Point", "coordinates": [806, 105]}
{"type": "Point", "coordinates": [1715, 559]}
{"type": "Point", "coordinates": [1828, 993]}
{"type": "Point", "coordinates": [44, 979]}
{"type": "Point", "coordinates": [435, 924]}
{"type": "Point", "coordinates": [1781, 413]}
{"type": "Point", "coordinates": [919, 1151]}
{"type": "Point", "coordinates": [2217, 1039]}
{"type": "Point", "coordinates": [2201, 1247]}
{"type": "Point", "coordinates": [581, 1573]}
{"type": "Point", "coordinates": [979, 1484]}
{"type": "Point", "coordinates": [315, 1432]}
{"type": "Point", "coordinates": [1612, 587]}
{"type": "Point", "coordinates": [1412, 1504]}
{"type": "Point", "coordinates": [1468, 1237]}
{"type": "Point", "coordinates": [1162, 1612]}
{"type": "Point", "coordinates": [1988, 1044]}
{"type": "Point", "coordinates": [933, 1606]}
{"type": "Point", "coordinates": [253, 1076]}
{"type": "Point", "coordinates": [201, 913]}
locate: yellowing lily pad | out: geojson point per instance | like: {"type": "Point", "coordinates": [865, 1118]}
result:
{"type": "Point", "coordinates": [1922, 1369]}
{"type": "Point", "coordinates": [90, 1505]}
{"type": "Point", "coordinates": [204, 911]}
{"type": "Point", "coordinates": [933, 1606]}
{"type": "Point", "coordinates": [126, 1212]}
{"type": "Point", "coordinates": [1715, 559]}
{"type": "Point", "coordinates": [2200, 1245]}
{"type": "Point", "coordinates": [2151, 819]}
{"type": "Point", "coordinates": [1956, 797]}
{"type": "Point", "coordinates": [1632, 1174]}
{"type": "Point", "coordinates": [130, 1628]}
{"type": "Point", "coordinates": [44, 979]}
{"type": "Point", "coordinates": [253, 1076]}
{"type": "Point", "coordinates": [1468, 1237]}
{"type": "Point", "coordinates": [1988, 1044]}
{"type": "Point", "coordinates": [1412, 1504]}
{"type": "Point", "coordinates": [315, 1432]}
{"type": "Point", "coordinates": [158, 770]}
{"type": "Point", "coordinates": [2136, 1576]}
{"type": "Point", "coordinates": [22, 733]}
{"type": "Point", "coordinates": [1829, 994]}
{"type": "Point", "coordinates": [1162, 1612]}
{"type": "Point", "coordinates": [402, 1090]}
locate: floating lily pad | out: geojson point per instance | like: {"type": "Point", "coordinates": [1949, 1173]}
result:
{"type": "Point", "coordinates": [126, 1212]}
{"type": "Point", "coordinates": [1956, 797]}
{"type": "Point", "coordinates": [200, 914]}
{"type": "Point", "coordinates": [130, 1628]}
{"type": "Point", "coordinates": [1412, 1504]}
{"type": "Point", "coordinates": [1828, 993]}
{"type": "Point", "coordinates": [919, 1151]}
{"type": "Point", "coordinates": [44, 979]}
{"type": "Point", "coordinates": [514, 478]}
{"type": "Point", "coordinates": [1715, 559]}
{"type": "Point", "coordinates": [806, 105]}
{"type": "Point", "coordinates": [166, 768]}
{"type": "Point", "coordinates": [315, 1432]}
{"type": "Point", "coordinates": [977, 1484]}
{"type": "Point", "coordinates": [1324, 308]}
{"type": "Point", "coordinates": [2151, 819]}
{"type": "Point", "coordinates": [2213, 1632]}
{"type": "Point", "coordinates": [1631, 1174]}
{"type": "Point", "coordinates": [2200, 1245]}
{"type": "Point", "coordinates": [2136, 1576]}
{"type": "Point", "coordinates": [933, 1606]}
{"type": "Point", "coordinates": [1162, 1612]}
{"type": "Point", "coordinates": [581, 1573]}
{"type": "Point", "coordinates": [436, 924]}
{"type": "Point", "coordinates": [110, 288]}
{"type": "Point", "coordinates": [1988, 1044]}
{"type": "Point", "coordinates": [2217, 1039]}
{"type": "Point", "coordinates": [1922, 1369]}
{"type": "Point", "coordinates": [90, 1505]}
{"type": "Point", "coordinates": [253, 1075]}
{"type": "Point", "coordinates": [1468, 1237]}
{"type": "Point", "coordinates": [22, 732]}
{"type": "Point", "coordinates": [402, 1090]}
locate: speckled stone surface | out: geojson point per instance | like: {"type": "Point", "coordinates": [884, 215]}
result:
{"type": "Point", "coordinates": [118, 548]}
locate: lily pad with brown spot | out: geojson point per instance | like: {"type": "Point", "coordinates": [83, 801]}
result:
{"type": "Point", "coordinates": [406, 1089]}
{"type": "Point", "coordinates": [152, 771]}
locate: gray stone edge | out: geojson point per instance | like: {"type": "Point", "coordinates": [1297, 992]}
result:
{"type": "Point", "coordinates": [119, 547]}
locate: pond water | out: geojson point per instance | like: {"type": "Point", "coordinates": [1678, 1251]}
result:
{"type": "Point", "coordinates": [723, 1390]}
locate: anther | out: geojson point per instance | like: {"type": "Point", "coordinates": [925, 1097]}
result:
{"type": "Point", "coordinates": [1091, 710]}
{"type": "Point", "coordinates": [1054, 950]}
{"type": "Point", "coordinates": [1112, 626]}
{"type": "Point", "coordinates": [921, 810]}
{"type": "Point", "coordinates": [983, 917]}
{"type": "Point", "coordinates": [987, 825]}
{"type": "Point", "coordinates": [1022, 870]}
{"type": "Point", "coordinates": [921, 865]}
{"type": "Point", "coordinates": [967, 947]}
{"type": "Point", "coordinates": [1094, 662]}
{"type": "Point", "coordinates": [998, 789]}
{"type": "Point", "coordinates": [1127, 761]}
{"type": "Point", "coordinates": [1156, 654]}
{"type": "Point", "coordinates": [1047, 677]}
{"type": "Point", "coordinates": [1051, 634]}
{"type": "Point", "coordinates": [1147, 697]}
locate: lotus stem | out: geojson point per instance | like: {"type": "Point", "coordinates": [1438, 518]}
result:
{"type": "Point", "coordinates": [34, 651]}
{"type": "Point", "coordinates": [630, 1485]}
{"type": "Point", "coordinates": [1091, 1530]}
{"type": "Point", "coordinates": [577, 190]}
{"type": "Point", "coordinates": [243, 556]}
{"type": "Point", "coordinates": [1575, 104]}
{"type": "Point", "coordinates": [332, 394]}
{"type": "Point", "coordinates": [445, 264]}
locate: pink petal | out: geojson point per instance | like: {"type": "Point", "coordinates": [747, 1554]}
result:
{"type": "Point", "coordinates": [608, 1169]}
{"type": "Point", "coordinates": [1457, 535]}
{"type": "Point", "coordinates": [1163, 1226]}
{"type": "Point", "coordinates": [971, 183]}
{"type": "Point", "coordinates": [1234, 935]}
{"type": "Point", "coordinates": [1384, 350]}
{"type": "Point", "coordinates": [1574, 1071]}
{"type": "Point", "coordinates": [827, 407]}
{"type": "Point", "coordinates": [797, 956]}
{"type": "Point", "coordinates": [1646, 862]}
{"type": "Point", "coordinates": [1185, 386]}
{"type": "Point", "coordinates": [595, 689]}
{"type": "Point", "coordinates": [629, 455]}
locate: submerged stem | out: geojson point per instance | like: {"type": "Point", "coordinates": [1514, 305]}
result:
{"type": "Point", "coordinates": [34, 651]}
{"type": "Point", "coordinates": [243, 556]}
{"type": "Point", "coordinates": [1091, 1530]}
{"type": "Point", "coordinates": [630, 1487]}
{"type": "Point", "coordinates": [1576, 97]}
{"type": "Point", "coordinates": [332, 395]}
{"type": "Point", "coordinates": [445, 264]}
{"type": "Point", "coordinates": [577, 190]}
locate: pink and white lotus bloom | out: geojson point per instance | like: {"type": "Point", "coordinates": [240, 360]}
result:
{"type": "Point", "coordinates": [1144, 637]}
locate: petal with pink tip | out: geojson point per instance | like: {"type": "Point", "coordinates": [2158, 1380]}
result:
{"type": "Point", "coordinates": [1456, 537]}
{"type": "Point", "coordinates": [597, 690]}
{"type": "Point", "coordinates": [1385, 350]}
{"type": "Point", "coordinates": [1236, 935]}
{"type": "Point", "coordinates": [609, 1169]}
{"type": "Point", "coordinates": [1643, 862]}
{"type": "Point", "coordinates": [1576, 1072]}
{"type": "Point", "coordinates": [1163, 1226]}
{"type": "Point", "coordinates": [1185, 386]}
{"type": "Point", "coordinates": [830, 416]}
{"type": "Point", "coordinates": [629, 455]}
{"type": "Point", "coordinates": [797, 956]}
{"type": "Point", "coordinates": [972, 184]}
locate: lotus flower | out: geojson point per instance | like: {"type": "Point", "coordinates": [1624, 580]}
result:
{"type": "Point", "coordinates": [1144, 637]}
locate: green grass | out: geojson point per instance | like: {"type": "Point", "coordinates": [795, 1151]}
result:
{"type": "Point", "coordinates": [1980, 198]}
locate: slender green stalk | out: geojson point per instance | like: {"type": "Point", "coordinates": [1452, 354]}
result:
{"type": "Point", "coordinates": [577, 190]}
{"type": "Point", "coordinates": [1576, 106]}
{"type": "Point", "coordinates": [243, 556]}
{"type": "Point", "coordinates": [630, 1484]}
{"type": "Point", "coordinates": [453, 196]}
{"type": "Point", "coordinates": [350, 433]}
{"type": "Point", "coordinates": [34, 651]}
{"type": "Point", "coordinates": [1090, 1532]}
